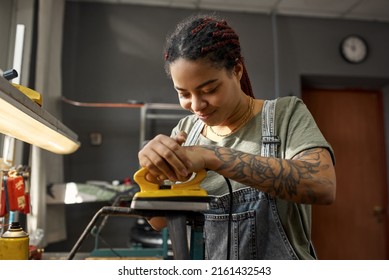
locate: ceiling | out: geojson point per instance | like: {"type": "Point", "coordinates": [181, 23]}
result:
{"type": "Point", "coordinates": [371, 10]}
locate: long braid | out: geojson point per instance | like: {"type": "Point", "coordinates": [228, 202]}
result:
{"type": "Point", "coordinates": [210, 38]}
{"type": "Point", "coordinates": [245, 82]}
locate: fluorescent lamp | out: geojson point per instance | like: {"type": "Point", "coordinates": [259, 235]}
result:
{"type": "Point", "coordinates": [8, 150]}
{"type": "Point", "coordinates": [18, 51]}
{"type": "Point", "coordinates": [25, 120]}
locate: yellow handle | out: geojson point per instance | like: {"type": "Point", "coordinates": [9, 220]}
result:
{"type": "Point", "coordinates": [140, 178]}
{"type": "Point", "coordinates": [193, 183]}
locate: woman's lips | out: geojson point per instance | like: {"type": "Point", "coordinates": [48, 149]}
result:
{"type": "Point", "coordinates": [204, 117]}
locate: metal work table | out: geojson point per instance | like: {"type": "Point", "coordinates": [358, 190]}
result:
{"type": "Point", "coordinates": [177, 226]}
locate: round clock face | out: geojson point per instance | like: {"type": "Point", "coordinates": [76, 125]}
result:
{"type": "Point", "coordinates": [354, 49]}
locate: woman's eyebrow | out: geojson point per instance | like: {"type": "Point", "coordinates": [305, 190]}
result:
{"type": "Point", "coordinates": [199, 86]}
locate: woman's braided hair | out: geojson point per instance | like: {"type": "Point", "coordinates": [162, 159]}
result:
{"type": "Point", "coordinates": [206, 37]}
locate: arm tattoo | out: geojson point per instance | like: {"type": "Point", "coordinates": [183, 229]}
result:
{"type": "Point", "coordinates": [286, 179]}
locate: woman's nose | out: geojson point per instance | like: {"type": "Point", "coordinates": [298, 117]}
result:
{"type": "Point", "coordinates": [198, 104]}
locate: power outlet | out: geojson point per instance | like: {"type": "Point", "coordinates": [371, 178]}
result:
{"type": "Point", "coordinates": [95, 138]}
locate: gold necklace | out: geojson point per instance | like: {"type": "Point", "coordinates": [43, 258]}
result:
{"type": "Point", "coordinates": [245, 119]}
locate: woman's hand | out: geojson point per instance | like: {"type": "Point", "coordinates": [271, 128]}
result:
{"type": "Point", "coordinates": [198, 157]}
{"type": "Point", "coordinates": [157, 223]}
{"type": "Point", "coordinates": [165, 158]}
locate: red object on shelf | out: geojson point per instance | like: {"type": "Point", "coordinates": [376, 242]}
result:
{"type": "Point", "coordinates": [18, 199]}
{"type": "Point", "coordinates": [3, 209]}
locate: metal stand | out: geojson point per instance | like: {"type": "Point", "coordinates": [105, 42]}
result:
{"type": "Point", "coordinates": [178, 235]}
{"type": "Point", "coordinates": [177, 222]}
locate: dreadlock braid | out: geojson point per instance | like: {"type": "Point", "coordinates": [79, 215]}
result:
{"type": "Point", "coordinates": [207, 37]}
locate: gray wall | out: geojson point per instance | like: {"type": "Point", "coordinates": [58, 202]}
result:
{"type": "Point", "coordinates": [5, 32]}
{"type": "Point", "coordinates": [310, 48]}
{"type": "Point", "coordinates": [113, 53]}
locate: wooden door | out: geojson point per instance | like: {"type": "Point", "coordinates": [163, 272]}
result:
{"type": "Point", "coordinates": [354, 227]}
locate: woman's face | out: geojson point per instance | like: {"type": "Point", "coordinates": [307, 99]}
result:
{"type": "Point", "coordinates": [209, 92]}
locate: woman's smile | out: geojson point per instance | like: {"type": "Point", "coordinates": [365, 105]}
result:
{"type": "Point", "coordinates": [205, 116]}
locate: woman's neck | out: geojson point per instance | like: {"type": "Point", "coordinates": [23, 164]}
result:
{"type": "Point", "coordinates": [241, 115]}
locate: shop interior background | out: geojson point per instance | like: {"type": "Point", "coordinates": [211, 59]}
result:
{"type": "Point", "coordinates": [111, 52]}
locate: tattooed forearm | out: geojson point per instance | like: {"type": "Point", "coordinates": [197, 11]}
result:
{"type": "Point", "coordinates": [286, 179]}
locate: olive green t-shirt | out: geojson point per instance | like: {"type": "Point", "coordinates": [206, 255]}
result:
{"type": "Point", "coordinates": [298, 131]}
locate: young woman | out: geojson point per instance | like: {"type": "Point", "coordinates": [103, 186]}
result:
{"type": "Point", "coordinates": [271, 194]}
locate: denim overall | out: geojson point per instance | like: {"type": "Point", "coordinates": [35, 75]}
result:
{"type": "Point", "coordinates": [256, 230]}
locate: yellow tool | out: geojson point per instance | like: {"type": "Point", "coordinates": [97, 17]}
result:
{"type": "Point", "coordinates": [30, 93]}
{"type": "Point", "coordinates": [187, 195]}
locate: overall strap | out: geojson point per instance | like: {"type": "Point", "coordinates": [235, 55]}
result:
{"type": "Point", "coordinates": [194, 133]}
{"type": "Point", "coordinates": [270, 140]}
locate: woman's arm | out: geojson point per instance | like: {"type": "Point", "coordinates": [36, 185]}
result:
{"type": "Point", "coordinates": [307, 178]}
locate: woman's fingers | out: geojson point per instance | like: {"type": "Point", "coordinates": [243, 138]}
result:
{"type": "Point", "coordinates": [155, 179]}
{"type": "Point", "coordinates": [163, 155]}
{"type": "Point", "coordinates": [157, 223]}
{"type": "Point", "coordinates": [156, 165]}
{"type": "Point", "coordinates": [180, 137]}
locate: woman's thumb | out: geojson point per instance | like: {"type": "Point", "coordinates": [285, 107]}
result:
{"type": "Point", "coordinates": [180, 137]}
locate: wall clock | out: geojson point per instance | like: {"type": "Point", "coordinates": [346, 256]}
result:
{"type": "Point", "coordinates": [354, 49]}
